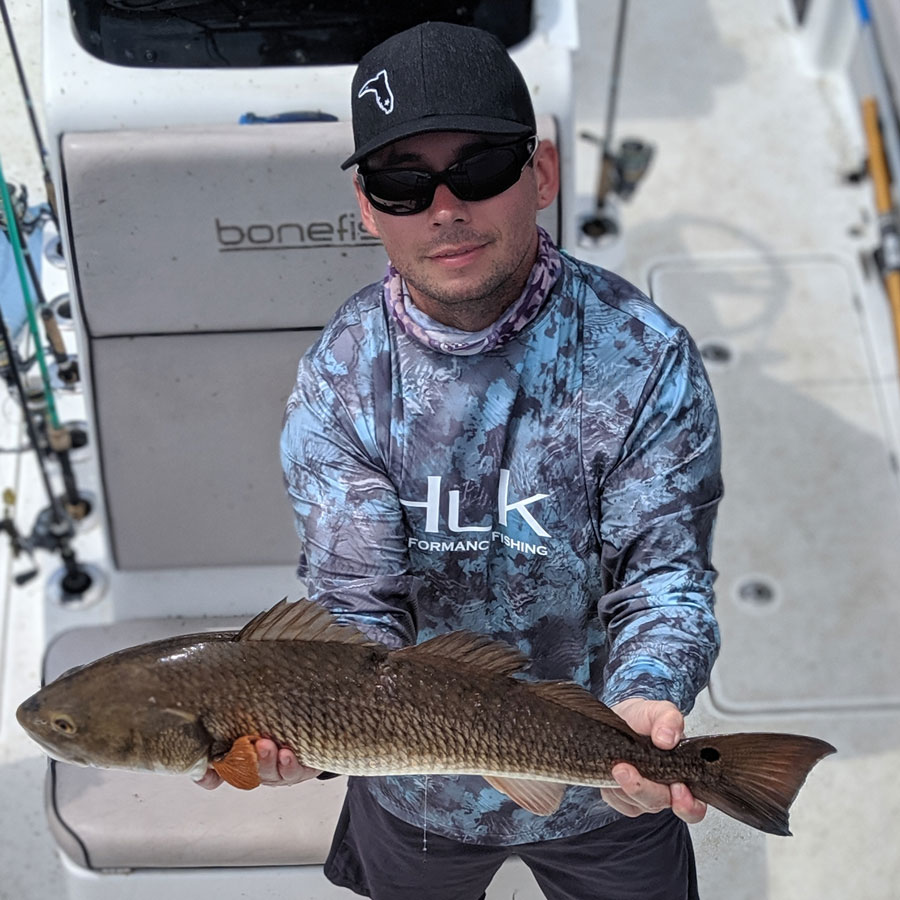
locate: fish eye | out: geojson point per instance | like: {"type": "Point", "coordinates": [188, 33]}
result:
{"type": "Point", "coordinates": [709, 754]}
{"type": "Point", "coordinates": [63, 724]}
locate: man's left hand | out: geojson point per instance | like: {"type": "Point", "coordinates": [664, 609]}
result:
{"type": "Point", "coordinates": [635, 795]}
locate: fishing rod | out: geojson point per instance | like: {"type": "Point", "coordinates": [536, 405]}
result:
{"type": "Point", "coordinates": [59, 517]}
{"type": "Point", "coordinates": [60, 530]}
{"type": "Point", "coordinates": [32, 117]}
{"type": "Point", "coordinates": [882, 91]}
{"type": "Point", "coordinates": [11, 224]}
{"type": "Point", "coordinates": [59, 438]}
{"type": "Point", "coordinates": [883, 141]}
{"type": "Point", "coordinates": [890, 234]}
{"type": "Point", "coordinates": [67, 366]}
{"type": "Point", "coordinates": [619, 173]}
{"type": "Point", "coordinates": [612, 101]}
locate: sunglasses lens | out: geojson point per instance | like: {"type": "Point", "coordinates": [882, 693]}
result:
{"type": "Point", "coordinates": [399, 192]}
{"type": "Point", "coordinates": [402, 192]}
{"type": "Point", "coordinates": [485, 174]}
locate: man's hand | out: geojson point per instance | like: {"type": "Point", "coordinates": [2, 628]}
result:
{"type": "Point", "coordinates": [635, 795]}
{"type": "Point", "coordinates": [277, 767]}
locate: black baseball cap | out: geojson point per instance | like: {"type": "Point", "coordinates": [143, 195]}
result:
{"type": "Point", "coordinates": [437, 77]}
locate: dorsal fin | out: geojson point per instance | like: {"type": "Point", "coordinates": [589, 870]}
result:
{"type": "Point", "coordinates": [473, 650]}
{"type": "Point", "coordinates": [576, 698]}
{"type": "Point", "coordinates": [299, 621]}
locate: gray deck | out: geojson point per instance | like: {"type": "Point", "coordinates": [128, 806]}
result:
{"type": "Point", "coordinates": [747, 232]}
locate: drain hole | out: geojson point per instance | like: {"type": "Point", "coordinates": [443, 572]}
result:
{"type": "Point", "coordinates": [78, 436]}
{"type": "Point", "coordinates": [599, 226]}
{"type": "Point", "coordinates": [716, 352]}
{"type": "Point", "coordinates": [757, 593]}
{"type": "Point", "coordinates": [77, 586]}
{"type": "Point", "coordinates": [62, 306]}
{"type": "Point", "coordinates": [54, 253]}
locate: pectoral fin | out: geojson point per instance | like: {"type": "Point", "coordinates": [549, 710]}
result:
{"type": "Point", "coordinates": [240, 765]}
{"type": "Point", "coordinates": [538, 797]}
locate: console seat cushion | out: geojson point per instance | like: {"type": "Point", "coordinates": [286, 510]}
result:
{"type": "Point", "coordinates": [107, 819]}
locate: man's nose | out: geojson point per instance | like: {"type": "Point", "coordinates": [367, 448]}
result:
{"type": "Point", "coordinates": [447, 207]}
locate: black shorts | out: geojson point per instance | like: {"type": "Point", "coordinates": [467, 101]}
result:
{"type": "Point", "coordinates": [380, 856]}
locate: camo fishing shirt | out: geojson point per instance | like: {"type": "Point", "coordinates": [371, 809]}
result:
{"type": "Point", "coordinates": [557, 491]}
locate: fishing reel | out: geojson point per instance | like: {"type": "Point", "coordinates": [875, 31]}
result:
{"type": "Point", "coordinates": [67, 369]}
{"type": "Point", "coordinates": [18, 196]}
{"type": "Point", "coordinates": [76, 583]}
{"type": "Point", "coordinates": [620, 174]}
{"type": "Point", "coordinates": [17, 543]}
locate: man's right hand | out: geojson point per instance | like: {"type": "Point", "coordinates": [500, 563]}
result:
{"type": "Point", "coordinates": [277, 767]}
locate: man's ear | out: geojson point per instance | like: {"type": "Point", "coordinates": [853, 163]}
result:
{"type": "Point", "coordinates": [546, 172]}
{"type": "Point", "coordinates": [365, 210]}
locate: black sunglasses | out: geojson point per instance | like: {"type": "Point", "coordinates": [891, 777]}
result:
{"type": "Point", "coordinates": [404, 192]}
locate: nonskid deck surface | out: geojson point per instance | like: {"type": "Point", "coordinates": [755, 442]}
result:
{"type": "Point", "coordinates": [746, 230]}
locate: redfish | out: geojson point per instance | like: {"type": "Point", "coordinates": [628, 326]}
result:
{"type": "Point", "coordinates": [345, 704]}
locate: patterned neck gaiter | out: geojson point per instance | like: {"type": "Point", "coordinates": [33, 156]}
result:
{"type": "Point", "coordinates": [515, 317]}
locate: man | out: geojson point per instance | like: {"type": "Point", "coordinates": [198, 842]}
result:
{"type": "Point", "coordinates": [502, 439]}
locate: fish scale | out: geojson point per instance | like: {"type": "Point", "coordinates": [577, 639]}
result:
{"type": "Point", "coordinates": [451, 705]}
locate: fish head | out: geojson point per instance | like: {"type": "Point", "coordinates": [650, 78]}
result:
{"type": "Point", "coordinates": [115, 716]}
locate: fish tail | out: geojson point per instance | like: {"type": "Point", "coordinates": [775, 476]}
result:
{"type": "Point", "coordinates": [753, 777]}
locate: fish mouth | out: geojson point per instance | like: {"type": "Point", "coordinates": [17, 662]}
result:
{"type": "Point", "coordinates": [56, 755]}
{"type": "Point", "coordinates": [27, 711]}
{"type": "Point", "coordinates": [32, 727]}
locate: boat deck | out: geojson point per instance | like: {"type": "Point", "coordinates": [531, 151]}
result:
{"type": "Point", "coordinates": [749, 231]}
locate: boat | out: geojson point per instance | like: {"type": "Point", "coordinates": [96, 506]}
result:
{"type": "Point", "coordinates": [713, 153]}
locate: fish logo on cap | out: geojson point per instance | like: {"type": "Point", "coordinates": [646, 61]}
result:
{"type": "Point", "coordinates": [380, 87]}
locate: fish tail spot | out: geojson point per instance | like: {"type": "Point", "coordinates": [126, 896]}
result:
{"type": "Point", "coordinates": [754, 777]}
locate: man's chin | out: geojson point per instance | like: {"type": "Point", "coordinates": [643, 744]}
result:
{"type": "Point", "coordinates": [460, 290]}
